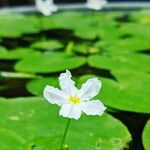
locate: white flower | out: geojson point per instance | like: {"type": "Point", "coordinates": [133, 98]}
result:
{"type": "Point", "coordinates": [96, 4]}
{"type": "Point", "coordinates": [46, 7]}
{"type": "Point", "coordinates": [73, 101]}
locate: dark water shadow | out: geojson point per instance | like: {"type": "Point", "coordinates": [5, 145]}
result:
{"type": "Point", "coordinates": [14, 88]}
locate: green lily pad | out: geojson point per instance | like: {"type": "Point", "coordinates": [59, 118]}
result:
{"type": "Point", "coordinates": [47, 45]}
{"type": "Point", "coordinates": [2, 48]}
{"type": "Point", "coordinates": [126, 61]}
{"type": "Point", "coordinates": [35, 123]}
{"type": "Point", "coordinates": [11, 140]}
{"type": "Point", "coordinates": [97, 27]}
{"type": "Point", "coordinates": [136, 29]}
{"type": "Point", "coordinates": [103, 28]}
{"type": "Point", "coordinates": [141, 16]}
{"type": "Point", "coordinates": [18, 53]}
{"type": "Point", "coordinates": [3, 51]}
{"type": "Point", "coordinates": [130, 93]}
{"type": "Point", "coordinates": [90, 24]}
{"type": "Point", "coordinates": [2, 98]}
{"type": "Point", "coordinates": [53, 62]}
{"type": "Point", "coordinates": [15, 24]}
{"type": "Point", "coordinates": [37, 86]}
{"type": "Point", "coordinates": [146, 136]}
{"type": "Point", "coordinates": [61, 20]}
{"type": "Point", "coordinates": [127, 45]}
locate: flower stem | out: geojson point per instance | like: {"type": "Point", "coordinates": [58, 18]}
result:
{"type": "Point", "coordinates": [65, 133]}
{"type": "Point", "coordinates": [69, 48]}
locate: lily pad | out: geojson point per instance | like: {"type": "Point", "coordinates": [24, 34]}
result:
{"type": "Point", "coordinates": [97, 27]}
{"type": "Point", "coordinates": [53, 62]}
{"type": "Point", "coordinates": [61, 20]}
{"type": "Point", "coordinates": [3, 51]}
{"type": "Point", "coordinates": [2, 98]}
{"type": "Point", "coordinates": [47, 45]}
{"type": "Point", "coordinates": [11, 140]}
{"type": "Point", "coordinates": [141, 16]}
{"type": "Point", "coordinates": [127, 45]}
{"type": "Point", "coordinates": [17, 53]}
{"type": "Point", "coordinates": [90, 24]}
{"type": "Point", "coordinates": [136, 29]}
{"type": "Point", "coordinates": [120, 61]}
{"type": "Point", "coordinates": [36, 86]}
{"type": "Point", "coordinates": [15, 24]}
{"type": "Point", "coordinates": [146, 136]}
{"type": "Point", "coordinates": [130, 93]}
{"type": "Point", "coordinates": [35, 123]}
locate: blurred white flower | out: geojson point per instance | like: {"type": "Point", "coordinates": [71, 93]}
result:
{"type": "Point", "coordinates": [46, 7]}
{"type": "Point", "coordinates": [73, 101]}
{"type": "Point", "coordinates": [96, 4]}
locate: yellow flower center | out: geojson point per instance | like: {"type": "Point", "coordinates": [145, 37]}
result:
{"type": "Point", "coordinates": [74, 100]}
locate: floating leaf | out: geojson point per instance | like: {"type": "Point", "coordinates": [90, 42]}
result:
{"type": "Point", "coordinates": [97, 27]}
{"type": "Point", "coordinates": [126, 61]}
{"type": "Point", "coordinates": [14, 25]}
{"type": "Point", "coordinates": [131, 93]}
{"type": "Point", "coordinates": [37, 86]}
{"type": "Point", "coordinates": [47, 45]}
{"type": "Point", "coordinates": [35, 123]}
{"type": "Point", "coordinates": [54, 62]}
{"type": "Point", "coordinates": [127, 45]}
{"type": "Point", "coordinates": [146, 136]}
{"type": "Point", "coordinates": [3, 51]}
{"type": "Point", "coordinates": [1, 98]}
{"type": "Point", "coordinates": [18, 53]}
{"type": "Point", "coordinates": [12, 141]}
{"type": "Point", "coordinates": [90, 24]}
{"type": "Point", "coordinates": [63, 20]}
{"type": "Point", "coordinates": [136, 29]}
{"type": "Point", "coordinates": [141, 16]}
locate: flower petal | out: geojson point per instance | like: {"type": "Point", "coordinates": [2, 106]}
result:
{"type": "Point", "coordinates": [94, 107]}
{"type": "Point", "coordinates": [54, 95]}
{"type": "Point", "coordinates": [67, 85]}
{"type": "Point", "coordinates": [89, 89]}
{"type": "Point", "coordinates": [70, 111]}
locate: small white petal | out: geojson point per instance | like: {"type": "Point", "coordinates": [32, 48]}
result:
{"type": "Point", "coordinates": [89, 89]}
{"type": "Point", "coordinates": [54, 95]}
{"type": "Point", "coordinates": [96, 4]}
{"type": "Point", "coordinates": [67, 85]}
{"type": "Point", "coordinates": [94, 107]}
{"type": "Point", "coordinates": [70, 111]}
{"type": "Point", "coordinates": [46, 7]}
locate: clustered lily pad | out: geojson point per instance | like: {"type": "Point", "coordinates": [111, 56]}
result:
{"type": "Point", "coordinates": [34, 50]}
